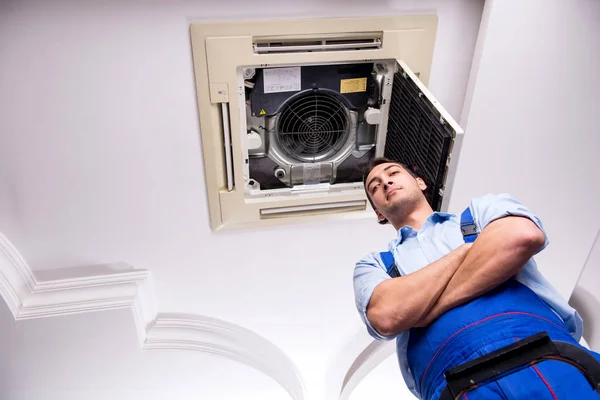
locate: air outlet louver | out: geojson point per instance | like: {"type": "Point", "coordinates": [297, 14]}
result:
{"type": "Point", "coordinates": [364, 41]}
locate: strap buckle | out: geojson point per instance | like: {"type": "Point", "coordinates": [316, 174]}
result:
{"type": "Point", "coordinates": [468, 229]}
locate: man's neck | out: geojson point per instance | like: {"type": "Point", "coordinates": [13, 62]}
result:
{"type": "Point", "coordinates": [415, 219]}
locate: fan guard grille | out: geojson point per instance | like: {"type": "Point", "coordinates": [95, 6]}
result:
{"type": "Point", "coordinates": [313, 126]}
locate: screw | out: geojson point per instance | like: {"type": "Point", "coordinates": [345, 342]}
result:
{"type": "Point", "coordinates": [279, 173]}
{"type": "Point", "coordinates": [249, 73]}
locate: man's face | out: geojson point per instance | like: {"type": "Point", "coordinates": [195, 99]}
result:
{"type": "Point", "coordinates": [392, 188]}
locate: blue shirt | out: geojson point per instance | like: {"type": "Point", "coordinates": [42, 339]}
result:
{"type": "Point", "coordinates": [439, 235]}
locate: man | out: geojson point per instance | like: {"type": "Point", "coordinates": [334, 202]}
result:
{"type": "Point", "coordinates": [454, 302]}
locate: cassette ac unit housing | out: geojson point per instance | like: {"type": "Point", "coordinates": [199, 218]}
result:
{"type": "Point", "coordinates": [292, 111]}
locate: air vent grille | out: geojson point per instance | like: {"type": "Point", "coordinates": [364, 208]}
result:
{"type": "Point", "coordinates": [417, 136]}
{"type": "Point", "coordinates": [364, 41]}
{"type": "Point", "coordinates": [296, 211]}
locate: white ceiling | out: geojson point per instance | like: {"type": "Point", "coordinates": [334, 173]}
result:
{"type": "Point", "coordinates": [100, 162]}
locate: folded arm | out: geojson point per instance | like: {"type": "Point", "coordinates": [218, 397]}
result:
{"type": "Point", "coordinates": [398, 303]}
{"type": "Point", "coordinates": [499, 253]}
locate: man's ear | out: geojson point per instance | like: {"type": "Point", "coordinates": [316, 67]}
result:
{"type": "Point", "coordinates": [422, 184]}
{"type": "Point", "coordinates": [380, 216]}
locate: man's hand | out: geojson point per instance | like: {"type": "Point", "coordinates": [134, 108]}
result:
{"type": "Point", "coordinates": [498, 254]}
{"type": "Point", "coordinates": [398, 303]}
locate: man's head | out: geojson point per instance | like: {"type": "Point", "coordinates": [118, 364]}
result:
{"type": "Point", "coordinates": [393, 188]}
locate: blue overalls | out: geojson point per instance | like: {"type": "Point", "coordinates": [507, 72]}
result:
{"type": "Point", "coordinates": [495, 320]}
{"type": "Point", "coordinates": [512, 312]}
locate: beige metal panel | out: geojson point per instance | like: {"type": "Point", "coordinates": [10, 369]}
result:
{"type": "Point", "coordinates": [220, 48]}
{"type": "Point", "coordinates": [212, 145]}
{"type": "Point", "coordinates": [313, 27]}
{"type": "Point", "coordinates": [232, 210]}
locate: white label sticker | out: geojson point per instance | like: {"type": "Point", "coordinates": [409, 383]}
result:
{"type": "Point", "coordinates": [311, 173]}
{"type": "Point", "coordinates": [282, 79]}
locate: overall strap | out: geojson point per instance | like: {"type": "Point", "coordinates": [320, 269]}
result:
{"type": "Point", "coordinates": [390, 266]}
{"type": "Point", "coordinates": [467, 226]}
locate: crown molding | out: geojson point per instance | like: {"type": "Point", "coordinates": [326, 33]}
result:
{"type": "Point", "coordinates": [356, 359]}
{"type": "Point", "coordinates": [16, 279]}
{"type": "Point", "coordinates": [215, 336]}
{"type": "Point", "coordinates": [27, 298]}
{"type": "Point", "coordinates": [77, 295]}
{"type": "Point", "coordinates": [369, 358]}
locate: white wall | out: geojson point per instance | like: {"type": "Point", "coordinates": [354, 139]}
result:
{"type": "Point", "coordinates": [532, 125]}
{"type": "Point", "coordinates": [586, 297]}
{"type": "Point", "coordinates": [100, 161]}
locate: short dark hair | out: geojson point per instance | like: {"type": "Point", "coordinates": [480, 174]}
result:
{"type": "Point", "coordinates": [412, 169]}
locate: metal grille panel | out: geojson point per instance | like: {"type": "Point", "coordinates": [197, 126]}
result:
{"type": "Point", "coordinates": [313, 126]}
{"type": "Point", "coordinates": [416, 136]}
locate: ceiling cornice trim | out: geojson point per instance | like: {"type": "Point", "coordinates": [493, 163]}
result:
{"type": "Point", "coordinates": [27, 298]}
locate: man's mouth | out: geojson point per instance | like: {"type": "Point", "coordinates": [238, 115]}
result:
{"type": "Point", "coordinates": [391, 192]}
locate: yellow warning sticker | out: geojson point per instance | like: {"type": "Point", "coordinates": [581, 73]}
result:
{"type": "Point", "coordinates": [262, 112]}
{"type": "Point", "coordinates": [353, 85]}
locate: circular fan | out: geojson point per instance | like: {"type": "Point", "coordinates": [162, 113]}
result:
{"type": "Point", "coordinates": [313, 126]}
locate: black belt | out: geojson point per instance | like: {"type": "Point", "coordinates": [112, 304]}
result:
{"type": "Point", "coordinates": [517, 356]}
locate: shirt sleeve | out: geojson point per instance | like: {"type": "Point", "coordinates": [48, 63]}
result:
{"type": "Point", "coordinates": [491, 207]}
{"type": "Point", "coordinates": [368, 273]}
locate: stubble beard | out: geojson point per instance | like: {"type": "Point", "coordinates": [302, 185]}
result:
{"type": "Point", "coordinates": [402, 208]}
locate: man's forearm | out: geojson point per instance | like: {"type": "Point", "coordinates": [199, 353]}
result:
{"type": "Point", "coordinates": [397, 304]}
{"type": "Point", "coordinates": [498, 254]}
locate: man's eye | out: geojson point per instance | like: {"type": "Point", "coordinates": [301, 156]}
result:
{"type": "Point", "coordinates": [374, 188]}
{"type": "Point", "coordinates": [394, 172]}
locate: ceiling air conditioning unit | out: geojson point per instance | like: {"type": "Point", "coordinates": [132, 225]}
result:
{"type": "Point", "coordinates": [291, 112]}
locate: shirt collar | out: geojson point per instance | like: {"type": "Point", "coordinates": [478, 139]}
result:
{"type": "Point", "coordinates": [434, 218]}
